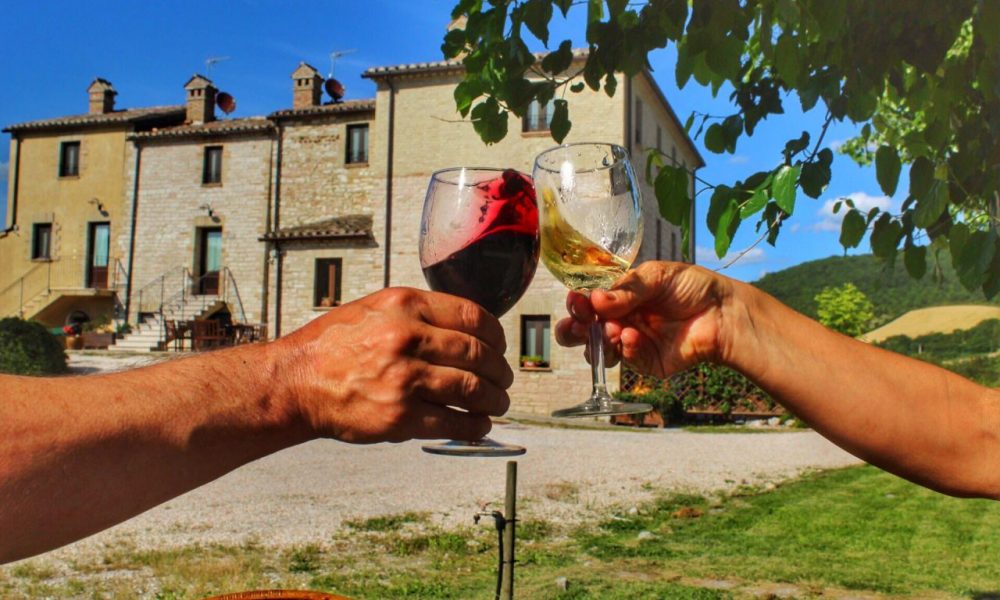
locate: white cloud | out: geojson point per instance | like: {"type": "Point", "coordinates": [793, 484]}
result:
{"type": "Point", "coordinates": [739, 159]}
{"type": "Point", "coordinates": [836, 144]}
{"type": "Point", "coordinates": [706, 256]}
{"type": "Point", "coordinates": [795, 227]}
{"type": "Point", "coordinates": [862, 201]}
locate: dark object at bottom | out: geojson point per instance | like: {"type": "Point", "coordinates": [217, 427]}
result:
{"type": "Point", "coordinates": [279, 595]}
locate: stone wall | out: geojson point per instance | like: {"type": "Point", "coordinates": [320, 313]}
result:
{"type": "Point", "coordinates": [170, 200]}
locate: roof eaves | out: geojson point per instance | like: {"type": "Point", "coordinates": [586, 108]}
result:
{"type": "Point", "coordinates": [673, 115]}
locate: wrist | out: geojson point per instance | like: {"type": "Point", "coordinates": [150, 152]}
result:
{"type": "Point", "coordinates": [739, 335]}
{"type": "Point", "coordinates": [273, 365]}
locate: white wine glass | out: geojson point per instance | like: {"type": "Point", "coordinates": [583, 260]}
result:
{"type": "Point", "coordinates": [590, 216]}
{"type": "Point", "coordinates": [479, 240]}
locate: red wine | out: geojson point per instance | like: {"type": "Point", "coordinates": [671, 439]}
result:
{"type": "Point", "coordinates": [497, 265]}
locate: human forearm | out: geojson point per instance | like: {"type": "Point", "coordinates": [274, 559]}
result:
{"type": "Point", "coordinates": [83, 453]}
{"type": "Point", "coordinates": [906, 416]}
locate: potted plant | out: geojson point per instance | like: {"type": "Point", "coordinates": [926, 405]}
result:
{"type": "Point", "coordinates": [328, 302]}
{"type": "Point", "coordinates": [532, 361]}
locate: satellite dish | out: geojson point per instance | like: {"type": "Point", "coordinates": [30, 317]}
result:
{"type": "Point", "coordinates": [226, 102]}
{"type": "Point", "coordinates": [335, 89]}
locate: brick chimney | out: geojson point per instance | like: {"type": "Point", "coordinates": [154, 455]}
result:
{"type": "Point", "coordinates": [307, 86]}
{"type": "Point", "coordinates": [200, 99]}
{"type": "Point", "coordinates": [102, 97]}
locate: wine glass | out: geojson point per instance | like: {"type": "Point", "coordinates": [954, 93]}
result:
{"type": "Point", "coordinates": [479, 240]}
{"type": "Point", "coordinates": [591, 228]}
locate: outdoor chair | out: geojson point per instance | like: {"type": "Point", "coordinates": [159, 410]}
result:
{"type": "Point", "coordinates": [208, 333]}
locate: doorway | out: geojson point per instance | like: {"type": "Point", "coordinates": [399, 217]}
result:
{"type": "Point", "coordinates": [98, 244]}
{"type": "Point", "coordinates": [209, 260]}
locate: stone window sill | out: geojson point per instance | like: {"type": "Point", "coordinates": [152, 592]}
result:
{"type": "Point", "coordinates": [355, 165]}
{"type": "Point", "coordinates": [42, 259]}
{"type": "Point", "coordinates": [211, 185]}
{"type": "Point", "coordinates": [538, 133]}
{"type": "Point", "coordinates": [536, 369]}
{"type": "Point", "coordinates": [77, 176]}
{"type": "Point", "coordinates": [324, 308]}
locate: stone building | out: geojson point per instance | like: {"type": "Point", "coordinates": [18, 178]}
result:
{"type": "Point", "coordinates": [66, 203]}
{"type": "Point", "coordinates": [319, 204]}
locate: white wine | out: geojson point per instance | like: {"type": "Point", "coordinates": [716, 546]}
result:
{"type": "Point", "coordinates": [578, 262]}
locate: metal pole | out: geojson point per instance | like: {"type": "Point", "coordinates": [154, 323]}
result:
{"type": "Point", "coordinates": [20, 301]}
{"type": "Point", "coordinates": [510, 514]}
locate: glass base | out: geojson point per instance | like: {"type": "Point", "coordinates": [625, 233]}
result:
{"type": "Point", "coordinates": [603, 409]}
{"type": "Point", "coordinates": [484, 447]}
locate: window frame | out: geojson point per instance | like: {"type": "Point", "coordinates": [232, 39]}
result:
{"type": "Point", "coordinates": [637, 117]}
{"type": "Point", "coordinates": [35, 249]}
{"type": "Point", "coordinates": [542, 122]}
{"type": "Point", "coordinates": [542, 324]}
{"type": "Point", "coordinates": [321, 265]}
{"type": "Point", "coordinates": [64, 165]}
{"type": "Point", "coordinates": [348, 155]}
{"type": "Point", "coordinates": [206, 163]}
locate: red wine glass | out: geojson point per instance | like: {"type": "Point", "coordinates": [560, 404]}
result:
{"type": "Point", "coordinates": [479, 240]}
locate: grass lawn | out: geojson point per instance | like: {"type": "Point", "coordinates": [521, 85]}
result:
{"type": "Point", "coordinates": [837, 532]}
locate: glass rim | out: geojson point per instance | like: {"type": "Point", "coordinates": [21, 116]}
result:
{"type": "Point", "coordinates": [625, 159]}
{"type": "Point", "coordinates": [439, 175]}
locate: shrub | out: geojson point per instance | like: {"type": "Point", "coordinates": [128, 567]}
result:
{"type": "Point", "coordinates": [27, 348]}
{"type": "Point", "coordinates": [703, 387]}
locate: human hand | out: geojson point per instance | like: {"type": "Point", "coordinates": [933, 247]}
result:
{"type": "Point", "coordinates": [397, 365]}
{"type": "Point", "coordinates": [660, 318]}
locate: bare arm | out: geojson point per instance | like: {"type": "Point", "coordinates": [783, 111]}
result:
{"type": "Point", "coordinates": [79, 454]}
{"type": "Point", "coordinates": [906, 416]}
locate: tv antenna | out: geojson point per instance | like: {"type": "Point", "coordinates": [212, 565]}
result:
{"type": "Point", "coordinates": [211, 61]}
{"type": "Point", "coordinates": [335, 55]}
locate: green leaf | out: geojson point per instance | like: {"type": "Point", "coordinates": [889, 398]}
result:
{"type": "Point", "coordinates": [815, 177]}
{"type": "Point", "coordinates": [715, 138]}
{"type": "Point", "coordinates": [561, 124]}
{"type": "Point", "coordinates": [921, 177]}
{"type": "Point", "coordinates": [975, 259]}
{"type": "Point", "coordinates": [724, 57]}
{"type": "Point", "coordinates": [688, 124]}
{"type": "Point", "coordinates": [559, 60]}
{"type": "Point", "coordinates": [755, 204]}
{"type": "Point", "coordinates": [885, 237]}
{"type": "Point", "coordinates": [564, 5]}
{"type": "Point", "coordinates": [454, 43]}
{"type": "Point", "coordinates": [786, 59]}
{"type": "Point", "coordinates": [577, 87]}
{"type": "Point", "coordinates": [654, 158]}
{"type": "Point", "coordinates": [729, 221]}
{"type": "Point", "coordinates": [852, 230]}
{"type": "Point", "coordinates": [732, 127]}
{"type": "Point", "coordinates": [887, 168]}
{"type": "Point", "coordinates": [489, 121]}
{"type": "Point", "coordinates": [465, 93]}
{"type": "Point", "coordinates": [610, 84]}
{"type": "Point", "coordinates": [536, 15]}
{"type": "Point", "coordinates": [685, 66]}
{"type": "Point", "coordinates": [931, 205]}
{"type": "Point", "coordinates": [783, 188]}
{"type": "Point", "coordinates": [915, 259]}
{"type": "Point", "coordinates": [672, 194]}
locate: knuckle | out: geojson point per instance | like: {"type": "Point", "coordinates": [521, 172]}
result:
{"type": "Point", "coordinates": [474, 352]}
{"type": "Point", "coordinates": [397, 297]}
{"type": "Point", "coordinates": [470, 385]}
{"type": "Point", "coordinates": [399, 339]}
{"type": "Point", "coordinates": [470, 314]}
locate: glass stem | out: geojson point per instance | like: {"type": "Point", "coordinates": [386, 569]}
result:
{"type": "Point", "coordinates": [600, 394]}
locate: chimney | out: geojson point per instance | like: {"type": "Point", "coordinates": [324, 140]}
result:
{"type": "Point", "coordinates": [200, 99]}
{"type": "Point", "coordinates": [102, 97]}
{"type": "Point", "coordinates": [307, 86]}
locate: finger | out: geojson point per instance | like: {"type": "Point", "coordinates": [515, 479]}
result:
{"type": "Point", "coordinates": [611, 342]}
{"type": "Point", "coordinates": [579, 307]}
{"type": "Point", "coordinates": [452, 312]}
{"type": "Point", "coordinates": [570, 332]}
{"type": "Point", "coordinates": [449, 348]}
{"type": "Point", "coordinates": [447, 386]}
{"type": "Point", "coordinates": [433, 422]}
{"type": "Point", "coordinates": [636, 288]}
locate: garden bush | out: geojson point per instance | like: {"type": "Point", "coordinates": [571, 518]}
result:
{"type": "Point", "coordinates": [27, 348]}
{"type": "Point", "coordinates": [703, 387]}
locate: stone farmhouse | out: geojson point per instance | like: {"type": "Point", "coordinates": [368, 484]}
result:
{"type": "Point", "coordinates": [276, 220]}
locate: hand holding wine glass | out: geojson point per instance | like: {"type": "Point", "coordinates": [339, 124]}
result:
{"type": "Point", "coordinates": [591, 228]}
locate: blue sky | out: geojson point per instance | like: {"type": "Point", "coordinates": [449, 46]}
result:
{"type": "Point", "coordinates": [148, 51]}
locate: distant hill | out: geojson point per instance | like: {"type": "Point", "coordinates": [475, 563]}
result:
{"type": "Point", "coordinates": [935, 320]}
{"type": "Point", "coordinates": [892, 291]}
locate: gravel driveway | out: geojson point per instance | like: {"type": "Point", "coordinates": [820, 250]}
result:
{"type": "Point", "coordinates": [305, 493]}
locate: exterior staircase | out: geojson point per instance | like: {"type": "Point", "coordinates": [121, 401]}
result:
{"type": "Point", "coordinates": [150, 334]}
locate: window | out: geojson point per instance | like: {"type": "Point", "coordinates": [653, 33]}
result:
{"type": "Point", "coordinates": [357, 144]}
{"type": "Point", "coordinates": [538, 117]}
{"type": "Point", "coordinates": [211, 172]}
{"type": "Point", "coordinates": [638, 122]}
{"type": "Point", "coordinates": [41, 241]}
{"type": "Point", "coordinates": [535, 340]}
{"type": "Point", "coordinates": [69, 159]}
{"type": "Point", "coordinates": [326, 290]}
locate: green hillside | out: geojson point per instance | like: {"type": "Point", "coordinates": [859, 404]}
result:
{"type": "Point", "coordinates": [891, 289]}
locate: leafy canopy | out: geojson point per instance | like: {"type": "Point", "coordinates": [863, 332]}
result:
{"type": "Point", "coordinates": [921, 79]}
{"type": "Point", "coordinates": [845, 309]}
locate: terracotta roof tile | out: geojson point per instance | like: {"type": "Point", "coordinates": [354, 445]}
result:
{"type": "Point", "coordinates": [453, 64]}
{"type": "Point", "coordinates": [212, 128]}
{"type": "Point", "coordinates": [88, 120]}
{"type": "Point", "coordinates": [325, 109]}
{"type": "Point", "coordinates": [347, 226]}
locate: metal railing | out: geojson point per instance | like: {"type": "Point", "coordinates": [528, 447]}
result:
{"type": "Point", "coordinates": [230, 281]}
{"type": "Point", "coordinates": [175, 288]}
{"type": "Point", "coordinates": [33, 284]}
{"type": "Point", "coordinates": [151, 296]}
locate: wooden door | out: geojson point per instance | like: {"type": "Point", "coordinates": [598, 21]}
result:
{"type": "Point", "coordinates": [210, 260]}
{"type": "Point", "coordinates": [98, 244]}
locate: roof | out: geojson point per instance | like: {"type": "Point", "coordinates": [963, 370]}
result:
{"type": "Point", "coordinates": [210, 129]}
{"type": "Point", "coordinates": [348, 106]}
{"type": "Point", "coordinates": [131, 115]}
{"type": "Point", "coordinates": [453, 64]}
{"type": "Point", "coordinates": [347, 226]}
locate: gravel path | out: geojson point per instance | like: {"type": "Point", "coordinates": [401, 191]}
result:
{"type": "Point", "coordinates": [305, 493]}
